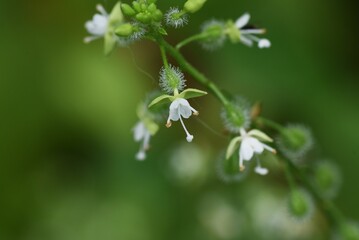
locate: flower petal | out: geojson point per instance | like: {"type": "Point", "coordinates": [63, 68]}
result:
{"type": "Point", "coordinates": [243, 20]}
{"type": "Point", "coordinates": [255, 144]}
{"type": "Point", "coordinates": [185, 111]}
{"type": "Point", "coordinates": [139, 131]}
{"type": "Point", "coordinates": [246, 151]}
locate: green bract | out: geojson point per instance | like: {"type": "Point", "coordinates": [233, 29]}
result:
{"type": "Point", "coordinates": [233, 32]}
{"type": "Point", "coordinates": [186, 94]}
{"type": "Point", "coordinates": [115, 19]}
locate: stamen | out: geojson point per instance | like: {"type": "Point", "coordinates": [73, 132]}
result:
{"type": "Point", "coordinates": [90, 39]}
{"type": "Point", "coordinates": [141, 155]}
{"type": "Point", "coordinates": [195, 112]}
{"type": "Point", "coordinates": [189, 136]}
{"type": "Point", "coordinates": [169, 123]}
{"type": "Point", "coordinates": [269, 148]}
{"type": "Point", "coordinates": [146, 141]}
{"type": "Point", "coordinates": [253, 31]}
{"type": "Point", "coordinates": [241, 166]}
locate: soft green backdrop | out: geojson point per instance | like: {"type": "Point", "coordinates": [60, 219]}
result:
{"type": "Point", "coordinates": [67, 168]}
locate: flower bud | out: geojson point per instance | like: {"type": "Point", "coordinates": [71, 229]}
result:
{"type": "Point", "coordinates": [236, 115]}
{"type": "Point", "coordinates": [124, 30]}
{"type": "Point", "coordinates": [193, 6]}
{"type": "Point", "coordinates": [300, 204]}
{"type": "Point", "coordinates": [127, 10]}
{"type": "Point", "coordinates": [295, 141]}
{"type": "Point", "coordinates": [175, 18]}
{"type": "Point", "coordinates": [171, 79]}
{"type": "Point", "coordinates": [215, 35]}
{"type": "Point", "coordinates": [327, 179]}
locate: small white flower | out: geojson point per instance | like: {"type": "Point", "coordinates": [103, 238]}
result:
{"type": "Point", "coordinates": [98, 26]}
{"type": "Point", "coordinates": [180, 108]}
{"type": "Point", "coordinates": [141, 133]}
{"type": "Point", "coordinates": [247, 35]}
{"type": "Point", "coordinates": [250, 145]}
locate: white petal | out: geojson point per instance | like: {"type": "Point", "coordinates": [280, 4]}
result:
{"type": "Point", "coordinates": [246, 41]}
{"type": "Point", "coordinates": [264, 43]}
{"type": "Point", "coordinates": [185, 111]}
{"type": "Point", "coordinates": [255, 144]}
{"type": "Point", "coordinates": [139, 131]}
{"type": "Point", "coordinates": [261, 171]}
{"type": "Point", "coordinates": [174, 116]}
{"type": "Point", "coordinates": [246, 151]}
{"type": "Point", "coordinates": [243, 20]}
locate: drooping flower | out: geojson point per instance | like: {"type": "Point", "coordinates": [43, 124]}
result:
{"type": "Point", "coordinates": [250, 145]}
{"type": "Point", "coordinates": [247, 35]}
{"type": "Point", "coordinates": [172, 81]}
{"type": "Point", "coordinates": [180, 108]}
{"type": "Point", "coordinates": [141, 133]}
{"type": "Point", "coordinates": [144, 129]}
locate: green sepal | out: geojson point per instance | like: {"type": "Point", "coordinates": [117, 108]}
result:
{"type": "Point", "coordinates": [110, 43]}
{"type": "Point", "coordinates": [233, 32]}
{"type": "Point", "coordinates": [161, 100]}
{"type": "Point", "coordinates": [233, 145]}
{"type": "Point", "coordinates": [260, 135]}
{"type": "Point", "coordinates": [191, 93]}
{"type": "Point", "coordinates": [116, 16]}
{"type": "Point", "coordinates": [128, 10]}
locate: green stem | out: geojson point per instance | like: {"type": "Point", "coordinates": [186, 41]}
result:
{"type": "Point", "coordinates": [270, 123]}
{"type": "Point", "coordinates": [164, 57]}
{"type": "Point", "coordinates": [193, 38]}
{"type": "Point", "coordinates": [289, 176]}
{"type": "Point", "coordinates": [186, 66]}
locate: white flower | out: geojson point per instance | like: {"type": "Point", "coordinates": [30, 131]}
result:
{"type": "Point", "coordinates": [180, 108]}
{"type": "Point", "coordinates": [98, 26]}
{"type": "Point", "coordinates": [250, 145]}
{"type": "Point", "coordinates": [247, 35]}
{"type": "Point", "coordinates": [141, 133]}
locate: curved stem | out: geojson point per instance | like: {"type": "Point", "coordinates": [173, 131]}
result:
{"type": "Point", "coordinates": [193, 38]}
{"type": "Point", "coordinates": [270, 123]}
{"type": "Point", "coordinates": [164, 57]}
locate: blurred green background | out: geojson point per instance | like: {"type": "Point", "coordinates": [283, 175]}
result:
{"type": "Point", "coordinates": [67, 167]}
